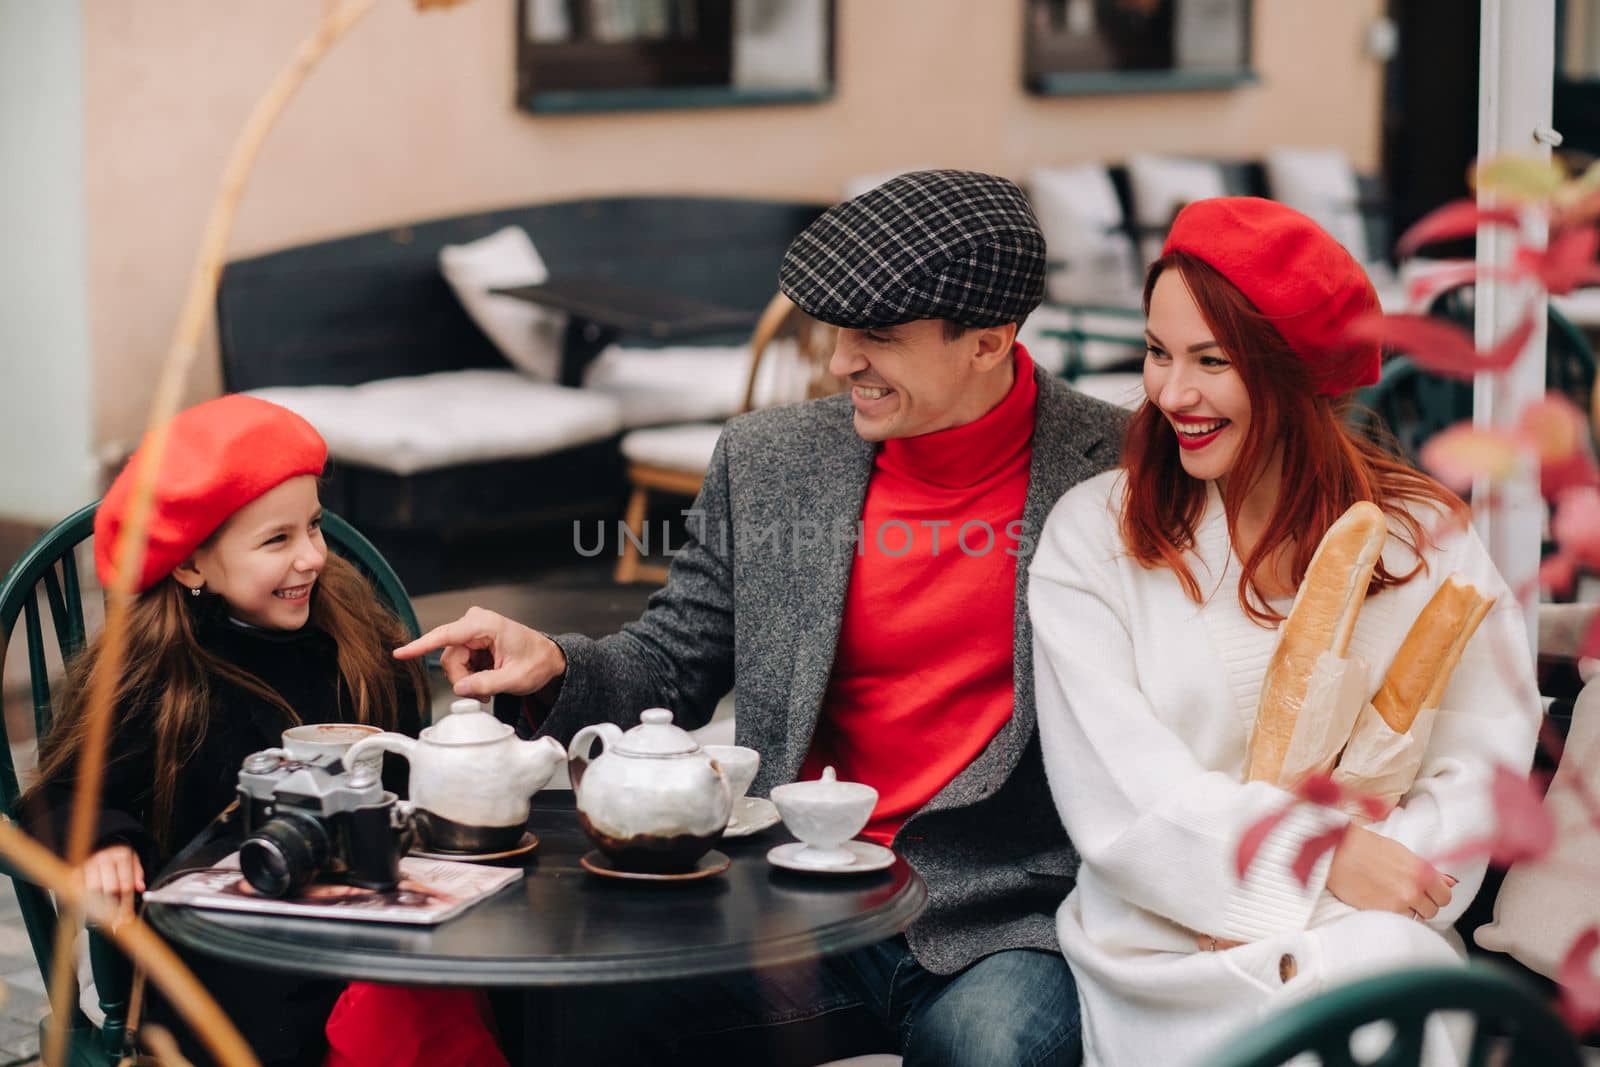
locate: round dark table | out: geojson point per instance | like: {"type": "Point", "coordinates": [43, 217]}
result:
{"type": "Point", "coordinates": [562, 926]}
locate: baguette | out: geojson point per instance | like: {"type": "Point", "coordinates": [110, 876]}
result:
{"type": "Point", "coordinates": [1322, 619]}
{"type": "Point", "coordinates": [1432, 647]}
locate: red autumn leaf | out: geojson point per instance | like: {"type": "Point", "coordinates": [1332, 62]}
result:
{"type": "Point", "coordinates": [1255, 837]}
{"type": "Point", "coordinates": [1523, 828]}
{"type": "Point", "coordinates": [1459, 218]}
{"type": "Point", "coordinates": [1580, 984]}
{"type": "Point", "coordinates": [1557, 573]}
{"type": "Point", "coordinates": [1590, 645]}
{"type": "Point", "coordinates": [1313, 849]}
{"type": "Point", "coordinates": [1567, 262]}
{"type": "Point", "coordinates": [1373, 807]}
{"type": "Point", "coordinates": [1423, 287]}
{"type": "Point", "coordinates": [1509, 348]}
{"type": "Point", "coordinates": [1575, 526]}
{"type": "Point", "coordinates": [1576, 471]}
{"type": "Point", "coordinates": [1558, 431]}
{"type": "Point", "coordinates": [1459, 455]}
{"type": "Point", "coordinates": [1440, 346]}
{"type": "Point", "coordinates": [1584, 209]}
{"type": "Point", "coordinates": [1320, 789]}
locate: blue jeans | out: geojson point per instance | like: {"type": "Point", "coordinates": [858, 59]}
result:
{"type": "Point", "coordinates": [1017, 1007]}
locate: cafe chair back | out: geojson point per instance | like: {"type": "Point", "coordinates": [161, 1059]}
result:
{"type": "Point", "coordinates": [1413, 404]}
{"type": "Point", "coordinates": [43, 590]}
{"type": "Point", "coordinates": [673, 459]}
{"type": "Point", "coordinates": [1510, 1024]}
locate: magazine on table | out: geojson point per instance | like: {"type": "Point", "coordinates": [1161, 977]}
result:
{"type": "Point", "coordinates": [430, 891]}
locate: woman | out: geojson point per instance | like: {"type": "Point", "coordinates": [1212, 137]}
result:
{"type": "Point", "coordinates": [1155, 594]}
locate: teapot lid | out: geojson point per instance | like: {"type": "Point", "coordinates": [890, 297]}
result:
{"type": "Point", "coordinates": [657, 736]}
{"type": "Point", "coordinates": [468, 722]}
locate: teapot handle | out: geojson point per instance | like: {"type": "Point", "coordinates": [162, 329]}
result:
{"type": "Point", "coordinates": [578, 756]}
{"type": "Point", "coordinates": [399, 744]}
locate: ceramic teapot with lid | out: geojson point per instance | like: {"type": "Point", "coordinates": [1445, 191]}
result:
{"type": "Point", "coordinates": [652, 799]}
{"type": "Point", "coordinates": [471, 778]}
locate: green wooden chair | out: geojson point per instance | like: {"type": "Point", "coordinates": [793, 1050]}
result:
{"type": "Point", "coordinates": [1509, 1022]}
{"type": "Point", "coordinates": [1104, 323]}
{"type": "Point", "coordinates": [44, 580]}
{"type": "Point", "coordinates": [1413, 404]}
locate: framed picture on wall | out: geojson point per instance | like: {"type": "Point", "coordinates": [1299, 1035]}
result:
{"type": "Point", "coordinates": [613, 55]}
{"type": "Point", "coordinates": [1119, 46]}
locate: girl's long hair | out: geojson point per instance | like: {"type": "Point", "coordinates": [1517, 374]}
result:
{"type": "Point", "coordinates": [168, 668]}
{"type": "Point", "coordinates": [1332, 465]}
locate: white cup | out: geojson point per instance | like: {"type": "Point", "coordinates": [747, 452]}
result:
{"type": "Point", "coordinates": [739, 766]}
{"type": "Point", "coordinates": [825, 813]}
{"type": "Point", "coordinates": [313, 739]}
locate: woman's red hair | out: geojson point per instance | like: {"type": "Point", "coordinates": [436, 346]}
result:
{"type": "Point", "coordinates": [1332, 465]}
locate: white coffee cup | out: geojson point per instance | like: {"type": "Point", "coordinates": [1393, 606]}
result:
{"type": "Point", "coordinates": [313, 739]}
{"type": "Point", "coordinates": [739, 766]}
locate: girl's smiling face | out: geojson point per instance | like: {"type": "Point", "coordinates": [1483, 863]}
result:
{"type": "Point", "coordinates": [264, 560]}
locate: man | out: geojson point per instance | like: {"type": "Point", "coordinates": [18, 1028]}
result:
{"type": "Point", "coordinates": [858, 569]}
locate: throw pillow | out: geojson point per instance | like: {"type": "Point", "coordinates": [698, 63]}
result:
{"type": "Point", "coordinates": [528, 336]}
{"type": "Point", "coordinates": [1545, 904]}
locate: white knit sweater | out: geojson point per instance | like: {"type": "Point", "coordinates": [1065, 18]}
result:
{"type": "Point", "coordinates": [1146, 701]}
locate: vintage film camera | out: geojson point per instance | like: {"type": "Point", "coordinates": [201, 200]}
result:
{"type": "Point", "coordinates": [309, 817]}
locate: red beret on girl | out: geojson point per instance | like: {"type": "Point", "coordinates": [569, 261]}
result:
{"type": "Point", "coordinates": [220, 456]}
{"type": "Point", "coordinates": [1294, 273]}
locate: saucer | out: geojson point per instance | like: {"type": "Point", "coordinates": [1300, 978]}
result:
{"type": "Point", "coordinates": [868, 857]}
{"type": "Point", "coordinates": [751, 815]}
{"type": "Point", "coordinates": [713, 862]}
{"type": "Point", "coordinates": [528, 843]}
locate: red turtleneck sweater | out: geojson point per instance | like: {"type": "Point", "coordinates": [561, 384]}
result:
{"type": "Point", "coordinates": [922, 676]}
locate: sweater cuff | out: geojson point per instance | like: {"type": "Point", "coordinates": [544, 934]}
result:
{"type": "Point", "coordinates": [1270, 899]}
{"type": "Point", "coordinates": [562, 706]}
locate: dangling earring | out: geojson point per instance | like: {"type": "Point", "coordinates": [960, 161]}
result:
{"type": "Point", "coordinates": [195, 591]}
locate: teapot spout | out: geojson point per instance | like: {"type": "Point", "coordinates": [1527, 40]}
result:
{"type": "Point", "coordinates": [537, 761]}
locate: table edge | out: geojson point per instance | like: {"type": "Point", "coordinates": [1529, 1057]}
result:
{"type": "Point", "coordinates": [242, 947]}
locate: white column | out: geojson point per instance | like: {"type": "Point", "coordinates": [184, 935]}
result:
{"type": "Point", "coordinates": [1516, 76]}
{"type": "Point", "coordinates": [48, 468]}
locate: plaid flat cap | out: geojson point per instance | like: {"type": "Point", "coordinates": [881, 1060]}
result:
{"type": "Point", "coordinates": [934, 244]}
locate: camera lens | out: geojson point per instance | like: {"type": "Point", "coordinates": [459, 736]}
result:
{"type": "Point", "coordinates": [286, 853]}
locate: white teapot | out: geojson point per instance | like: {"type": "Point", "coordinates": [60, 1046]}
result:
{"type": "Point", "coordinates": [652, 800]}
{"type": "Point", "coordinates": [471, 779]}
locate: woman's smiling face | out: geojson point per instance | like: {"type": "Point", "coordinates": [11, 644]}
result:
{"type": "Point", "coordinates": [1193, 382]}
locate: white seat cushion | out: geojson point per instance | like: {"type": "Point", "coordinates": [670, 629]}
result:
{"type": "Point", "coordinates": [681, 383]}
{"type": "Point", "coordinates": [679, 448]}
{"type": "Point", "coordinates": [419, 423]}
{"type": "Point", "coordinates": [1081, 219]}
{"type": "Point", "coordinates": [1321, 183]}
{"type": "Point", "coordinates": [528, 336]}
{"type": "Point", "coordinates": [1159, 186]}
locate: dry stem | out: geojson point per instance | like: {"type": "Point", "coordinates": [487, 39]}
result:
{"type": "Point", "coordinates": [335, 22]}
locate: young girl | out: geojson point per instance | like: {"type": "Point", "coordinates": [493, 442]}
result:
{"type": "Point", "coordinates": [242, 624]}
{"type": "Point", "coordinates": [1155, 594]}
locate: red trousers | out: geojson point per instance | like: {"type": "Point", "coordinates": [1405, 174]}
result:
{"type": "Point", "coordinates": [385, 1025]}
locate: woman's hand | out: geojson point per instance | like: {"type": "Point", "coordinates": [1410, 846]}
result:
{"type": "Point", "coordinates": [1374, 873]}
{"type": "Point", "coordinates": [115, 872]}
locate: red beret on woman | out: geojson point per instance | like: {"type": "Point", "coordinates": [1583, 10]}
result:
{"type": "Point", "coordinates": [1295, 274]}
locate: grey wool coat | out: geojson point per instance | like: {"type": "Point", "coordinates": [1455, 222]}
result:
{"type": "Point", "coordinates": [756, 598]}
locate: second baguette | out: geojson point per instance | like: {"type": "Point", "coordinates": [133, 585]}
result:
{"type": "Point", "coordinates": [1421, 669]}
